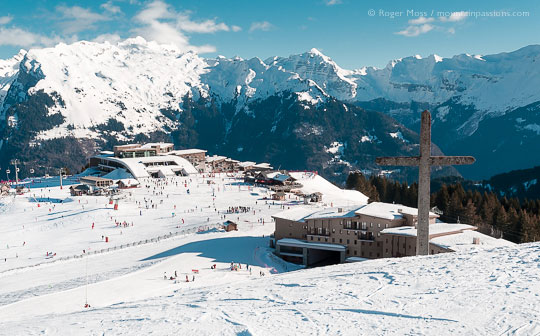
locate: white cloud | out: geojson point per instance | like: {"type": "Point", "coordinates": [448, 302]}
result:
{"type": "Point", "coordinates": [23, 38]}
{"type": "Point", "coordinates": [76, 19]}
{"type": "Point", "coordinates": [332, 2]}
{"type": "Point", "coordinates": [161, 23]}
{"type": "Point", "coordinates": [5, 20]}
{"type": "Point", "coordinates": [264, 26]}
{"type": "Point", "coordinates": [109, 7]}
{"type": "Point", "coordinates": [208, 26]}
{"type": "Point", "coordinates": [455, 17]}
{"type": "Point", "coordinates": [415, 30]}
{"type": "Point", "coordinates": [421, 20]}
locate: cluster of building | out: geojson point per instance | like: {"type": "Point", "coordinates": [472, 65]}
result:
{"type": "Point", "coordinates": [161, 160]}
{"type": "Point", "coordinates": [375, 230]}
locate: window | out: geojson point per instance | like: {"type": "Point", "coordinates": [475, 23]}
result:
{"type": "Point", "coordinates": [378, 244]}
{"type": "Point", "coordinates": [319, 238]}
{"type": "Point", "coordinates": [378, 234]}
{"type": "Point", "coordinates": [370, 224]}
{"type": "Point", "coordinates": [333, 230]}
{"type": "Point", "coordinates": [362, 253]}
{"type": "Point", "coordinates": [356, 241]}
{"type": "Point", "coordinates": [364, 225]}
{"type": "Point", "coordinates": [378, 255]}
{"type": "Point", "coordinates": [386, 225]}
{"type": "Point", "coordinates": [378, 225]}
{"type": "Point", "coordinates": [348, 232]}
{"type": "Point", "coordinates": [355, 252]}
{"type": "Point", "coordinates": [348, 242]}
{"type": "Point", "coordinates": [326, 240]}
{"type": "Point", "coordinates": [387, 240]}
{"type": "Point", "coordinates": [333, 240]}
{"type": "Point", "coordinates": [386, 250]}
{"type": "Point", "coordinates": [340, 240]}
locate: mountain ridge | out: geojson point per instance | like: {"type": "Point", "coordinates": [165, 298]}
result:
{"type": "Point", "coordinates": [142, 86]}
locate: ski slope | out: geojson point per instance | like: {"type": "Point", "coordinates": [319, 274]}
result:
{"type": "Point", "coordinates": [479, 292]}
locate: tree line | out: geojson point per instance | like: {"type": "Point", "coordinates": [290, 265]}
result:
{"type": "Point", "coordinates": [501, 217]}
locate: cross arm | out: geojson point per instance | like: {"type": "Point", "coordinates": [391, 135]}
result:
{"type": "Point", "coordinates": [433, 160]}
{"type": "Point", "coordinates": [398, 161]}
{"type": "Point", "coordinates": [450, 160]}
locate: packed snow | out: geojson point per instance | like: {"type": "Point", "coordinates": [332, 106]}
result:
{"type": "Point", "coordinates": [176, 227]}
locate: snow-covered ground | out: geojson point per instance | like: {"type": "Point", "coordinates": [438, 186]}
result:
{"type": "Point", "coordinates": [479, 292]}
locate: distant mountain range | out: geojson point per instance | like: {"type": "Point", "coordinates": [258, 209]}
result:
{"type": "Point", "coordinates": [59, 105]}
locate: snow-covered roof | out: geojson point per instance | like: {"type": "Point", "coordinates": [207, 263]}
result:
{"type": "Point", "coordinates": [187, 151]}
{"type": "Point", "coordinates": [155, 144]}
{"type": "Point", "coordinates": [388, 210]}
{"type": "Point", "coordinates": [136, 166]}
{"type": "Point", "coordinates": [263, 165]}
{"type": "Point", "coordinates": [464, 241]}
{"type": "Point", "coordinates": [434, 229]}
{"type": "Point", "coordinates": [301, 243]}
{"type": "Point", "coordinates": [246, 164]}
{"type": "Point", "coordinates": [295, 214]}
{"type": "Point", "coordinates": [215, 158]}
{"type": "Point", "coordinates": [337, 212]}
{"type": "Point", "coordinates": [118, 174]}
{"type": "Point", "coordinates": [129, 182]}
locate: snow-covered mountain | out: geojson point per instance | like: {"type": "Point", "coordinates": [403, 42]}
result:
{"type": "Point", "coordinates": [139, 87]}
{"type": "Point", "coordinates": [8, 72]}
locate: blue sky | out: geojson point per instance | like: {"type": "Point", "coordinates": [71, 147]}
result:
{"type": "Point", "coordinates": [354, 33]}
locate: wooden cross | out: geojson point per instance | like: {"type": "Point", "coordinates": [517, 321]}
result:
{"type": "Point", "coordinates": [424, 163]}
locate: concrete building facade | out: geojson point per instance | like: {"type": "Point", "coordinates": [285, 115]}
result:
{"type": "Point", "coordinates": [375, 230]}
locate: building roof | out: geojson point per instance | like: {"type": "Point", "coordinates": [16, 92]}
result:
{"type": "Point", "coordinates": [281, 177]}
{"type": "Point", "coordinates": [80, 187]}
{"type": "Point", "coordinates": [295, 214]}
{"type": "Point", "coordinates": [246, 164]}
{"type": "Point", "coordinates": [336, 212]}
{"type": "Point", "coordinates": [118, 174]}
{"type": "Point", "coordinates": [434, 229]}
{"type": "Point", "coordinates": [129, 182]}
{"type": "Point", "coordinates": [264, 165]}
{"type": "Point", "coordinates": [215, 158]}
{"type": "Point", "coordinates": [388, 210]}
{"type": "Point", "coordinates": [464, 241]}
{"type": "Point", "coordinates": [187, 151]}
{"type": "Point", "coordinates": [155, 144]}
{"type": "Point", "coordinates": [94, 178]}
{"type": "Point", "coordinates": [136, 166]}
